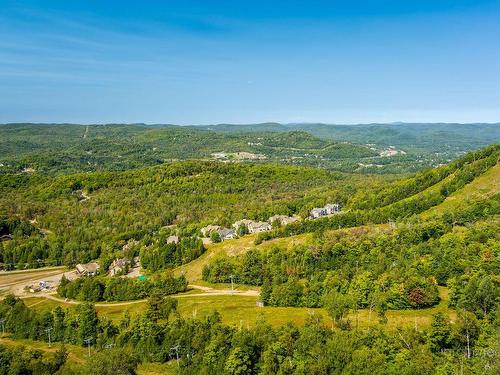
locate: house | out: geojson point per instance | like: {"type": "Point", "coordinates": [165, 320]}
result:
{"type": "Point", "coordinates": [226, 234]}
{"type": "Point", "coordinates": [244, 222]}
{"type": "Point", "coordinates": [88, 269]}
{"type": "Point", "coordinates": [282, 219]}
{"type": "Point", "coordinates": [332, 208]}
{"type": "Point", "coordinates": [205, 231]}
{"type": "Point", "coordinates": [317, 212]}
{"type": "Point", "coordinates": [118, 266]}
{"type": "Point", "coordinates": [329, 209]}
{"type": "Point", "coordinates": [258, 226]}
{"type": "Point", "coordinates": [173, 239]}
{"type": "Point", "coordinates": [130, 244]}
{"type": "Point", "coordinates": [288, 220]}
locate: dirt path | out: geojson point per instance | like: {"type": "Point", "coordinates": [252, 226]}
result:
{"type": "Point", "coordinates": [52, 297]}
{"type": "Point", "coordinates": [31, 270]}
{"type": "Point", "coordinates": [207, 292]}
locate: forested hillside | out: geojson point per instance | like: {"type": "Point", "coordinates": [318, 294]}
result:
{"type": "Point", "coordinates": [79, 217]}
{"type": "Point", "coordinates": [57, 149]}
{"type": "Point", "coordinates": [424, 144]}
{"type": "Point", "coordinates": [75, 218]}
{"type": "Point", "coordinates": [394, 148]}
{"type": "Point", "coordinates": [425, 242]}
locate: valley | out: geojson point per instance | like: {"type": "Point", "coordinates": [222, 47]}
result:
{"type": "Point", "coordinates": [396, 254]}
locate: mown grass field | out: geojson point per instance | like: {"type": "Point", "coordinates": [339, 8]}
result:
{"type": "Point", "coordinates": [237, 310]}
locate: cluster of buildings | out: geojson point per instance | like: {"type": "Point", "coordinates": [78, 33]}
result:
{"type": "Point", "coordinates": [250, 225]}
{"type": "Point", "coordinates": [263, 226]}
{"type": "Point", "coordinates": [119, 266]}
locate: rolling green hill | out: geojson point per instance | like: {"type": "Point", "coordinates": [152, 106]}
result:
{"type": "Point", "coordinates": [352, 276]}
{"type": "Point", "coordinates": [483, 187]}
{"type": "Point", "coordinates": [376, 148]}
{"type": "Point", "coordinates": [82, 216]}
{"type": "Point", "coordinates": [57, 149]}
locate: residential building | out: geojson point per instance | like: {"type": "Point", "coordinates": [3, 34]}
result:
{"type": "Point", "coordinates": [244, 222]}
{"type": "Point", "coordinates": [329, 209]}
{"type": "Point", "coordinates": [205, 231]}
{"type": "Point", "coordinates": [259, 226]}
{"type": "Point", "coordinates": [118, 266]}
{"type": "Point", "coordinates": [173, 239]}
{"type": "Point", "coordinates": [282, 219]}
{"type": "Point", "coordinates": [88, 269]}
{"type": "Point", "coordinates": [226, 234]}
{"type": "Point", "coordinates": [332, 208]}
{"type": "Point", "coordinates": [317, 212]}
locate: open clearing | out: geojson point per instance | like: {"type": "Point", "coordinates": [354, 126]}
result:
{"type": "Point", "coordinates": [193, 270]}
{"type": "Point", "coordinates": [15, 281]}
{"type": "Point", "coordinates": [242, 310]}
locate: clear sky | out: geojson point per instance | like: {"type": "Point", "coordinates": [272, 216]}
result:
{"type": "Point", "coordinates": [203, 62]}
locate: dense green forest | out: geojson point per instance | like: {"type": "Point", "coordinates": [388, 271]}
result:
{"type": "Point", "coordinates": [206, 346]}
{"type": "Point", "coordinates": [395, 246]}
{"type": "Point", "coordinates": [82, 217]}
{"type": "Point", "coordinates": [76, 218]}
{"type": "Point", "coordinates": [96, 289]}
{"type": "Point", "coordinates": [393, 269]}
{"type": "Point", "coordinates": [404, 199]}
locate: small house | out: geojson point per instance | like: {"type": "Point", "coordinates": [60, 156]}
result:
{"type": "Point", "coordinates": [173, 240]}
{"type": "Point", "coordinates": [226, 234]}
{"type": "Point", "coordinates": [118, 266]}
{"type": "Point", "coordinates": [329, 209]}
{"type": "Point", "coordinates": [88, 269]}
{"type": "Point", "coordinates": [206, 231]}
{"type": "Point", "coordinates": [332, 208]}
{"type": "Point", "coordinates": [239, 223]}
{"type": "Point", "coordinates": [317, 212]}
{"type": "Point", "coordinates": [282, 219]}
{"type": "Point", "coordinates": [259, 226]}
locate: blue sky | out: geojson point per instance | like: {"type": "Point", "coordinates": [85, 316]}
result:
{"type": "Point", "coordinates": [203, 62]}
